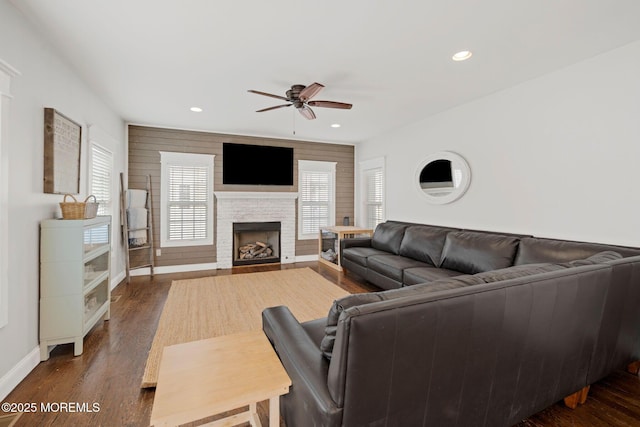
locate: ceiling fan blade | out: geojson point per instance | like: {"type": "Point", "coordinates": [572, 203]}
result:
{"type": "Point", "coordinates": [273, 108]}
{"type": "Point", "coordinates": [310, 91]}
{"type": "Point", "coordinates": [307, 113]}
{"type": "Point", "coordinates": [330, 104]}
{"type": "Point", "coordinates": [267, 94]}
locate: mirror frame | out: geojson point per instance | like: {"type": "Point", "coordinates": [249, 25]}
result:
{"type": "Point", "coordinates": [458, 162]}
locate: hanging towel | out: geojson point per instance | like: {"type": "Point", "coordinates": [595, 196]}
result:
{"type": "Point", "coordinates": [137, 218]}
{"type": "Point", "coordinates": [136, 198]}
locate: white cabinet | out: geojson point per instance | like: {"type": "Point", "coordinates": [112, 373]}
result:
{"type": "Point", "coordinates": [75, 291]}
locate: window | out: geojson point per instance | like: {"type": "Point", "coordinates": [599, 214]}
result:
{"type": "Point", "coordinates": [316, 197]}
{"type": "Point", "coordinates": [100, 177]}
{"type": "Point", "coordinates": [186, 217]}
{"type": "Point", "coordinates": [372, 178]}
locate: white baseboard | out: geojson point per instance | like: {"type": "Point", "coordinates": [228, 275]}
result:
{"type": "Point", "coordinates": [198, 267]}
{"type": "Point", "coordinates": [174, 269]}
{"type": "Point", "coordinates": [116, 280]}
{"type": "Point", "coordinates": [19, 372]}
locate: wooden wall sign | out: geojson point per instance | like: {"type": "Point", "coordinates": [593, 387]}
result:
{"type": "Point", "coordinates": [62, 141]}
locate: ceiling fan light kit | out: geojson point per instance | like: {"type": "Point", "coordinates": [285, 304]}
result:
{"type": "Point", "coordinates": [300, 97]}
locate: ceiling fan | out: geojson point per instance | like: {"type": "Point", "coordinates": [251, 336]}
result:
{"type": "Point", "coordinates": [300, 97]}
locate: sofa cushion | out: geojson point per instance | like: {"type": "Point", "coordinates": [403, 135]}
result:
{"type": "Point", "coordinates": [534, 250]}
{"type": "Point", "coordinates": [392, 266]}
{"type": "Point", "coordinates": [598, 258]}
{"type": "Point", "coordinates": [517, 271]}
{"type": "Point", "coordinates": [415, 275]}
{"type": "Point", "coordinates": [444, 284]}
{"type": "Point", "coordinates": [326, 345]}
{"type": "Point", "coordinates": [472, 252]}
{"type": "Point", "coordinates": [424, 243]}
{"type": "Point", "coordinates": [388, 236]}
{"type": "Point", "coordinates": [359, 255]}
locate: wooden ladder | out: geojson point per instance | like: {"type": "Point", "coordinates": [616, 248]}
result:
{"type": "Point", "coordinates": [149, 247]}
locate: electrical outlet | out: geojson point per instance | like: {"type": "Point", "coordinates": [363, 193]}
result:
{"type": "Point", "coordinates": [158, 252]}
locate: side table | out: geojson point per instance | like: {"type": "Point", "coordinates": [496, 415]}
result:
{"type": "Point", "coordinates": [203, 378]}
{"type": "Point", "coordinates": [329, 242]}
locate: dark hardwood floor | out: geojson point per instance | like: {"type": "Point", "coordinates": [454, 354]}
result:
{"type": "Point", "coordinates": [110, 369]}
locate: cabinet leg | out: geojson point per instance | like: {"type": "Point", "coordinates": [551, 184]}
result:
{"type": "Point", "coordinates": [44, 351]}
{"type": "Point", "coordinates": [77, 347]}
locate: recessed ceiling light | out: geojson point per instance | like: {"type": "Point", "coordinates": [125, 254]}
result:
{"type": "Point", "coordinates": [462, 55]}
{"type": "Point", "coordinates": [335, 125]}
{"type": "Point", "coordinates": [196, 109]}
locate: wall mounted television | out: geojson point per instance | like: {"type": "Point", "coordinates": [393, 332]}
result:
{"type": "Point", "coordinates": [245, 164]}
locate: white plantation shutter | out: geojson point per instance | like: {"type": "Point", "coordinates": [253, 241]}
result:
{"type": "Point", "coordinates": [187, 207]}
{"type": "Point", "coordinates": [187, 199]}
{"type": "Point", "coordinates": [101, 173]}
{"type": "Point", "coordinates": [316, 197]}
{"type": "Point", "coordinates": [374, 196]}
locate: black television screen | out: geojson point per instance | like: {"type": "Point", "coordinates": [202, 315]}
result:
{"type": "Point", "coordinates": [246, 164]}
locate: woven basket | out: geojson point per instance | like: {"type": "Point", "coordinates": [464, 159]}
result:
{"type": "Point", "coordinates": [90, 208]}
{"type": "Point", "coordinates": [78, 210]}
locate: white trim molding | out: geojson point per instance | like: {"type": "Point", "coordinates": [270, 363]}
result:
{"type": "Point", "coordinates": [306, 258]}
{"type": "Point", "coordinates": [364, 167]}
{"type": "Point", "coordinates": [317, 168]}
{"type": "Point", "coordinates": [168, 269]}
{"type": "Point", "coordinates": [7, 72]}
{"type": "Point", "coordinates": [169, 159]}
{"type": "Point", "coordinates": [255, 195]}
{"type": "Point", "coordinates": [19, 372]}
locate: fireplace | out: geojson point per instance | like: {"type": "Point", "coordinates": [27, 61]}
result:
{"type": "Point", "coordinates": [249, 206]}
{"type": "Point", "coordinates": [256, 243]}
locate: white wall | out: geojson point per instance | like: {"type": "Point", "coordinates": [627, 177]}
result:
{"type": "Point", "coordinates": [555, 156]}
{"type": "Point", "coordinates": [45, 81]}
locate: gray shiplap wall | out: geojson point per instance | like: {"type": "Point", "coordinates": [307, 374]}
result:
{"type": "Point", "coordinates": [145, 144]}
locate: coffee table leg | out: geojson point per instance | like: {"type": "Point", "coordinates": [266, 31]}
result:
{"type": "Point", "coordinates": [274, 411]}
{"type": "Point", "coordinates": [254, 420]}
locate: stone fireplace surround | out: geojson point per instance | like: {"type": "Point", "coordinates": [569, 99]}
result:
{"type": "Point", "coordinates": [245, 206]}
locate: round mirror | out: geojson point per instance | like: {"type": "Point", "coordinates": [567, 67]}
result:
{"type": "Point", "coordinates": [443, 177]}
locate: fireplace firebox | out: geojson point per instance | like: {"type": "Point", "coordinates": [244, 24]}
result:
{"type": "Point", "coordinates": [256, 243]}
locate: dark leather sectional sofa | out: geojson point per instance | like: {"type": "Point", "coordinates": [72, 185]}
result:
{"type": "Point", "coordinates": [474, 329]}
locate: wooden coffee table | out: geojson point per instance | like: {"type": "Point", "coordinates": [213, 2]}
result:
{"type": "Point", "coordinates": [203, 378]}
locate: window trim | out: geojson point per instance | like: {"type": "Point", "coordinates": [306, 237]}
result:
{"type": "Point", "coordinates": [169, 158]}
{"type": "Point", "coordinates": [109, 204]}
{"type": "Point", "coordinates": [366, 166]}
{"type": "Point", "coordinates": [316, 166]}
{"type": "Point", "coordinates": [7, 72]}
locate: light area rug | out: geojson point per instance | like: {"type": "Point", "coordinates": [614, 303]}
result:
{"type": "Point", "coordinates": [208, 307]}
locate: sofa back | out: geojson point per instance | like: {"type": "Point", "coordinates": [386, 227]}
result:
{"type": "Point", "coordinates": [489, 354]}
{"type": "Point", "coordinates": [473, 252]}
{"type": "Point", "coordinates": [535, 249]}
{"type": "Point", "coordinates": [424, 243]}
{"type": "Point", "coordinates": [388, 236]}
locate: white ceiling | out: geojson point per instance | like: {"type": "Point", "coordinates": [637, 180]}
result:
{"type": "Point", "coordinates": [153, 59]}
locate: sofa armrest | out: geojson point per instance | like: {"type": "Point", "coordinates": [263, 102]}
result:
{"type": "Point", "coordinates": [308, 401]}
{"type": "Point", "coordinates": [361, 242]}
